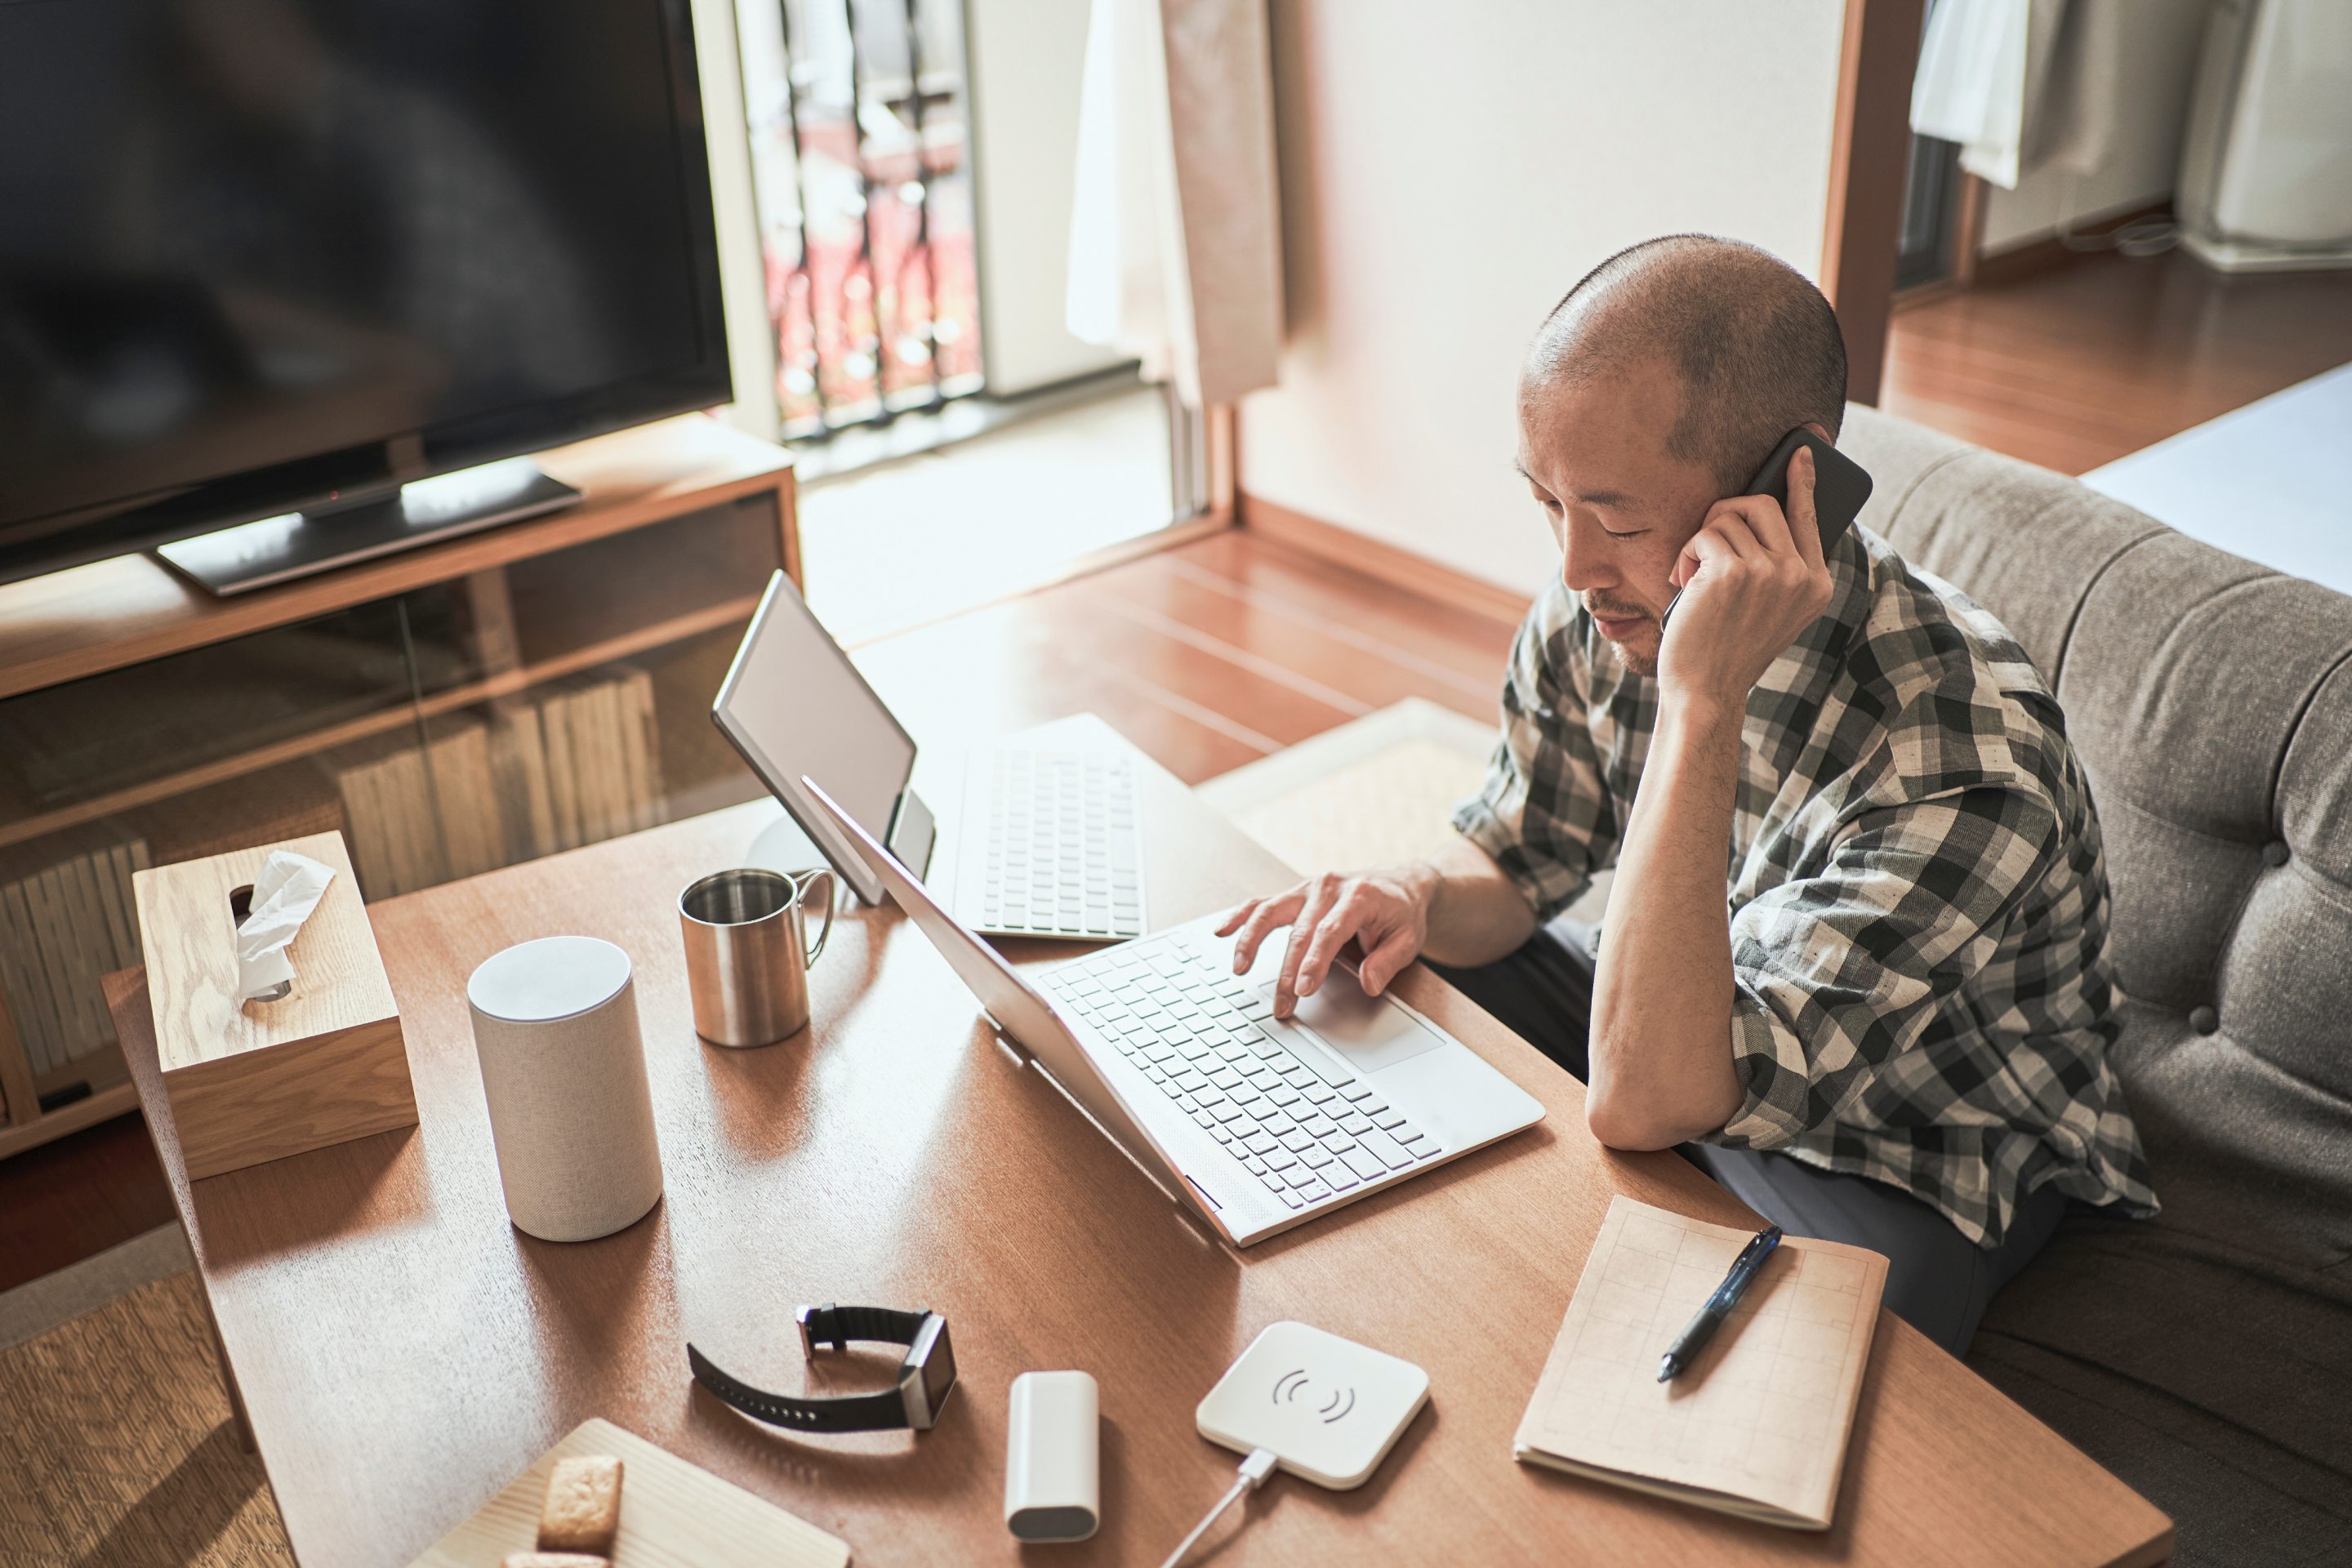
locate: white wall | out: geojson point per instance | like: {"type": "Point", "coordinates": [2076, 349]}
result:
{"type": "Point", "coordinates": [1027, 58]}
{"type": "Point", "coordinates": [742, 285]}
{"type": "Point", "coordinates": [2160, 47]}
{"type": "Point", "coordinates": [1447, 173]}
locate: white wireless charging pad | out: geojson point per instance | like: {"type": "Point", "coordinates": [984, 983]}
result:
{"type": "Point", "coordinates": [1330, 1408]}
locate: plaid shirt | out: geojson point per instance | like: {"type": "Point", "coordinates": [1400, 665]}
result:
{"type": "Point", "coordinates": [1918, 900]}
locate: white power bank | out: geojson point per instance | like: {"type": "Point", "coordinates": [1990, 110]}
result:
{"type": "Point", "coordinates": [1053, 1458]}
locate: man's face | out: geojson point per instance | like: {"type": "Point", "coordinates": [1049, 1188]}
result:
{"type": "Point", "coordinates": [1595, 456]}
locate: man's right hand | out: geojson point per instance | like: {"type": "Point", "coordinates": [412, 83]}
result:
{"type": "Point", "coordinates": [1386, 912]}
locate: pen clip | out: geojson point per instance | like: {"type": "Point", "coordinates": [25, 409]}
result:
{"type": "Point", "coordinates": [1745, 1268]}
{"type": "Point", "coordinates": [1759, 1245]}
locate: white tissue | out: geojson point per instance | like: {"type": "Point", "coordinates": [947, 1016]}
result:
{"type": "Point", "coordinates": [288, 889]}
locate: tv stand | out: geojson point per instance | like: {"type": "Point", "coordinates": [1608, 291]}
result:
{"type": "Point", "coordinates": [137, 708]}
{"type": "Point", "coordinates": [274, 549]}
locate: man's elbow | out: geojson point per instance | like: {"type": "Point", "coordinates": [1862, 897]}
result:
{"type": "Point", "coordinates": [1638, 1118]}
{"type": "Point", "coordinates": [1636, 1129]}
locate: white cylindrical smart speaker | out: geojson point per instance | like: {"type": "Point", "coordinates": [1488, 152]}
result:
{"type": "Point", "coordinates": [563, 1066]}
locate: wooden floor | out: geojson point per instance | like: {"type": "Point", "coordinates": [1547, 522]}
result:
{"type": "Point", "coordinates": [1207, 656]}
{"type": "Point", "coordinates": [1221, 651]}
{"type": "Point", "coordinates": [74, 1198]}
{"type": "Point", "coordinates": [2105, 354]}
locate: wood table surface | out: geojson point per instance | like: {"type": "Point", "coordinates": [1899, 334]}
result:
{"type": "Point", "coordinates": [402, 1350]}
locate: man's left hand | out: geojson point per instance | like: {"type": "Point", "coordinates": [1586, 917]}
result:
{"type": "Point", "coordinates": [1753, 579]}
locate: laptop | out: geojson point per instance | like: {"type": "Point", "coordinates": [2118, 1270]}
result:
{"type": "Point", "coordinates": [1046, 842]}
{"type": "Point", "coordinates": [1256, 1124]}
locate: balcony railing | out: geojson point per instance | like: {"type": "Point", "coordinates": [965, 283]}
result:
{"type": "Point", "coordinates": [860, 159]}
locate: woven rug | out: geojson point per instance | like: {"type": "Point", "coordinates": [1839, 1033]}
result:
{"type": "Point", "coordinates": [1377, 791]}
{"type": "Point", "coordinates": [117, 1446]}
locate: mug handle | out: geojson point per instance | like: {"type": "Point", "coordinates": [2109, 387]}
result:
{"type": "Point", "coordinates": [801, 885]}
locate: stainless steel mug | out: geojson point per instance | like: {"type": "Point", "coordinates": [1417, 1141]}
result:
{"type": "Point", "coordinates": [747, 952]}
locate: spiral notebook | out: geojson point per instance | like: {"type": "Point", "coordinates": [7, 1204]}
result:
{"type": "Point", "coordinates": [1758, 1425]}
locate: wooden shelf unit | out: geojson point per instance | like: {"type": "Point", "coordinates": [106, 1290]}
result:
{"type": "Point", "coordinates": [104, 1105]}
{"type": "Point", "coordinates": [114, 616]}
{"type": "Point", "coordinates": [505, 684]}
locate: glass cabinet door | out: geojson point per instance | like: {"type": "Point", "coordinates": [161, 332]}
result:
{"type": "Point", "coordinates": [523, 710]}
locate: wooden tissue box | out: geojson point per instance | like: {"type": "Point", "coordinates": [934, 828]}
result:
{"type": "Point", "coordinates": [255, 1081]}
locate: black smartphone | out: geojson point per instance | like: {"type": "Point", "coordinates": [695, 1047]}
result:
{"type": "Point", "coordinates": [1840, 487]}
{"type": "Point", "coordinates": [1840, 484]}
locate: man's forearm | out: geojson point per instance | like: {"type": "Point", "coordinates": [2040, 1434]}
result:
{"type": "Point", "coordinates": [1476, 914]}
{"type": "Point", "coordinates": [1661, 1045]}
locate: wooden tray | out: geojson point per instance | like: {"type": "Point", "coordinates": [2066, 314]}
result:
{"type": "Point", "coordinates": [673, 1515]}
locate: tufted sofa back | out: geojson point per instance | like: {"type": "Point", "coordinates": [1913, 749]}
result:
{"type": "Point", "coordinates": [2210, 702]}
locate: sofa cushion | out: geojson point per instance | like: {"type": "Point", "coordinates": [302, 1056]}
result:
{"type": "Point", "coordinates": [2204, 1355]}
{"type": "Point", "coordinates": [1930, 497]}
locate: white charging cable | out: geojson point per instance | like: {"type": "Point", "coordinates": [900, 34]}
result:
{"type": "Point", "coordinates": [1255, 1470]}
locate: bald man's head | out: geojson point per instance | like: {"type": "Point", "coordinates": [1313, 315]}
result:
{"type": "Point", "coordinates": [1755, 345]}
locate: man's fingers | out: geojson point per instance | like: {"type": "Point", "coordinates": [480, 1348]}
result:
{"type": "Point", "coordinates": [1321, 894]}
{"type": "Point", "coordinates": [1264, 915]}
{"type": "Point", "coordinates": [1803, 523]}
{"type": "Point", "coordinates": [1387, 960]}
{"type": "Point", "coordinates": [1252, 931]}
{"type": "Point", "coordinates": [1709, 545]}
{"type": "Point", "coordinates": [1330, 933]}
{"type": "Point", "coordinates": [1235, 916]}
{"type": "Point", "coordinates": [1751, 524]}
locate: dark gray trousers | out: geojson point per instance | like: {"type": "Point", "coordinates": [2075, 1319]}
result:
{"type": "Point", "coordinates": [1938, 1281]}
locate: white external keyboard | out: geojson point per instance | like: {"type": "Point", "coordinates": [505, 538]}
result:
{"type": "Point", "coordinates": [1064, 856]}
{"type": "Point", "coordinates": [1302, 1123]}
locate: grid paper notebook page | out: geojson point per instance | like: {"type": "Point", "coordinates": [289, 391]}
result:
{"type": "Point", "coordinates": [1758, 1424]}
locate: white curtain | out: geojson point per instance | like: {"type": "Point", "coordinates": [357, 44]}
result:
{"type": "Point", "coordinates": [1982, 69]}
{"type": "Point", "coordinates": [2092, 68]}
{"type": "Point", "coordinates": [1175, 249]}
{"type": "Point", "coordinates": [2024, 84]}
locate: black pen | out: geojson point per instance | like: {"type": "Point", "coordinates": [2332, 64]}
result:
{"type": "Point", "coordinates": [1743, 1271]}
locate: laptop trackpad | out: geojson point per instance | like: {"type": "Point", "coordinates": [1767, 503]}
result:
{"type": "Point", "coordinates": [1365, 1031]}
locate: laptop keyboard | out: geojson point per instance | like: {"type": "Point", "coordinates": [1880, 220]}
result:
{"type": "Point", "coordinates": [1063, 852]}
{"type": "Point", "coordinates": [1303, 1124]}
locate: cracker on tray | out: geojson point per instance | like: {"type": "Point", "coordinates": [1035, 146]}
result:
{"type": "Point", "coordinates": [583, 1512]}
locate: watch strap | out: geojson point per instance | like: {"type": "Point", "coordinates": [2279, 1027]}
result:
{"type": "Point", "coordinates": [837, 1326]}
{"type": "Point", "coordinates": [852, 1413]}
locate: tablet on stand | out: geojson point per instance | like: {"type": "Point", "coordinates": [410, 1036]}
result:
{"type": "Point", "coordinates": [793, 704]}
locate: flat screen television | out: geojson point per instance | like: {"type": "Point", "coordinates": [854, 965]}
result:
{"type": "Point", "coordinates": [272, 257]}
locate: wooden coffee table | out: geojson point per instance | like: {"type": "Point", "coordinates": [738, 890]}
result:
{"type": "Point", "coordinates": [401, 1350]}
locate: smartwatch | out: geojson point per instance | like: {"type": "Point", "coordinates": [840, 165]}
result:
{"type": "Point", "coordinates": [926, 1377]}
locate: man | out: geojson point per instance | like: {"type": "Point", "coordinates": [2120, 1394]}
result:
{"type": "Point", "coordinates": [1855, 960]}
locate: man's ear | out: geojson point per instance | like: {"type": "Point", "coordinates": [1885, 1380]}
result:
{"type": "Point", "coordinates": [1818, 428]}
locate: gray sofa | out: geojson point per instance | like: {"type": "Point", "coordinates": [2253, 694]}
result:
{"type": "Point", "coordinates": [2204, 1356]}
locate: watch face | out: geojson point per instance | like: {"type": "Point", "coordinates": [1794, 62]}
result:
{"type": "Point", "coordinates": [936, 1356]}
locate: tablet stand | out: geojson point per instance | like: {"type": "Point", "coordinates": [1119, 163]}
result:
{"type": "Point", "coordinates": [783, 845]}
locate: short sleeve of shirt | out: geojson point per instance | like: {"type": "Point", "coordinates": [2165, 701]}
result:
{"type": "Point", "coordinates": [1840, 976]}
{"type": "Point", "coordinates": [1545, 814]}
